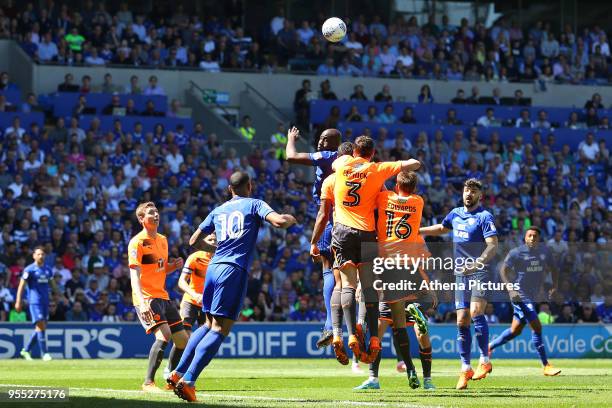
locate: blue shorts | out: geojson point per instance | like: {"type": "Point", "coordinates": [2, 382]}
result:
{"type": "Point", "coordinates": [464, 297]}
{"type": "Point", "coordinates": [324, 243]}
{"type": "Point", "coordinates": [524, 311]}
{"type": "Point", "coordinates": [225, 288]}
{"type": "Point", "coordinates": [39, 312]}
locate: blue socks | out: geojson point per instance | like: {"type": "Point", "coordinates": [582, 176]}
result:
{"type": "Point", "coordinates": [464, 343]}
{"type": "Point", "coordinates": [42, 342]}
{"type": "Point", "coordinates": [190, 348]}
{"type": "Point", "coordinates": [328, 288]}
{"type": "Point", "coordinates": [31, 342]}
{"type": "Point", "coordinates": [205, 351]}
{"type": "Point", "coordinates": [481, 327]}
{"type": "Point", "coordinates": [503, 338]}
{"type": "Point", "coordinates": [536, 338]}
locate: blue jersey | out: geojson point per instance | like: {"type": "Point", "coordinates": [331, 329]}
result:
{"type": "Point", "coordinates": [37, 278]}
{"type": "Point", "coordinates": [323, 162]}
{"type": "Point", "coordinates": [530, 267]}
{"type": "Point", "coordinates": [469, 232]}
{"type": "Point", "coordinates": [236, 224]}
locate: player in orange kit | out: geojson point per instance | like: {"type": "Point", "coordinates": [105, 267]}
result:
{"type": "Point", "coordinates": [399, 219]}
{"type": "Point", "coordinates": [358, 182]}
{"type": "Point", "coordinates": [149, 265]}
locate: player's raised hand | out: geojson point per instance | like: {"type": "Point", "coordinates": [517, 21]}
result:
{"type": "Point", "coordinates": [293, 134]}
{"type": "Point", "coordinates": [315, 253]}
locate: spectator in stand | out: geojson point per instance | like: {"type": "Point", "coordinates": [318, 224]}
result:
{"type": "Point", "coordinates": [384, 95]}
{"type": "Point", "coordinates": [327, 68]}
{"type": "Point", "coordinates": [387, 115]}
{"type": "Point", "coordinates": [425, 95]}
{"type": "Point", "coordinates": [68, 85]}
{"type": "Point", "coordinates": [247, 131]}
{"type": "Point", "coordinates": [459, 98]}
{"type": "Point", "coordinates": [542, 121]}
{"type": "Point", "coordinates": [153, 88]}
{"type": "Point", "coordinates": [566, 315]}
{"type": "Point", "coordinates": [353, 115]}
{"type": "Point", "coordinates": [358, 94]}
{"type": "Point", "coordinates": [326, 91]}
{"type": "Point", "coordinates": [408, 116]}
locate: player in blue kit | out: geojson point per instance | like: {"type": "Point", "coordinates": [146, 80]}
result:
{"type": "Point", "coordinates": [529, 263]}
{"type": "Point", "coordinates": [235, 224]}
{"type": "Point", "coordinates": [36, 279]}
{"type": "Point", "coordinates": [474, 246]}
{"type": "Point", "coordinates": [327, 152]}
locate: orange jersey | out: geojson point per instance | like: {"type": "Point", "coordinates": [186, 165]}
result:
{"type": "Point", "coordinates": [358, 183]}
{"type": "Point", "coordinates": [196, 265]}
{"type": "Point", "coordinates": [151, 256]}
{"type": "Point", "coordinates": [399, 219]}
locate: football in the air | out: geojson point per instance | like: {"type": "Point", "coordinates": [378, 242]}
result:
{"type": "Point", "coordinates": [334, 29]}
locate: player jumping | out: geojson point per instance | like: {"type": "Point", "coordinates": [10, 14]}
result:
{"type": "Point", "coordinates": [321, 227]}
{"type": "Point", "coordinates": [236, 224]}
{"type": "Point", "coordinates": [36, 279]}
{"type": "Point", "coordinates": [356, 188]}
{"type": "Point", "coordinates": [149, 265]}
{"type": "Point", "coordinates": [474, 246]}
{"type": "Point", "coordinates": [322, 160]}
{"type": "Point", "coordinates": [529, 263]}
{"type": "Point", "coordinates": [399, 219]}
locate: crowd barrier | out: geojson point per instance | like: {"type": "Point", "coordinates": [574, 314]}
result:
{"type": "Point", "coordinates": [293, 340]}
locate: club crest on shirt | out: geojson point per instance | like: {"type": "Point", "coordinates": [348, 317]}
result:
{"type": "Point", "coordinates": [471, 221]}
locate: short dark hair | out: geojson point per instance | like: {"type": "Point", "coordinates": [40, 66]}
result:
{"type": "Point", "coordinates": [536, 229]}
{"type": "Point", "coordinates": [364, 146]}
{"type": "Point", "coordinates": [239, 180]}
{"type": "Point", "coordinates": [407, 181]}
{"type": "Point", "coordinates": [346, 148]}
{"type": "Point", "coordinates": [473, 183]}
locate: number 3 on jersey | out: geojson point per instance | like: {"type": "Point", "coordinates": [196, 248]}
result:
{"type": "Point", "coordinates": [352, 193]}
{"type": "Point", "coordinates": [402, 229]}
{"type": "Point", "coordinates": [232, 225]}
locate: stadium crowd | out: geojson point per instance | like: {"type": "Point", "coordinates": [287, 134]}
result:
{"type": "Point", "coordinates": [96, 36]}
{"type": "Point", "coordinates": [78, 200]}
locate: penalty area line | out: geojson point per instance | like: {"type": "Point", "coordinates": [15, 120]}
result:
{"type": "Point", "coordinates": [235, 397]}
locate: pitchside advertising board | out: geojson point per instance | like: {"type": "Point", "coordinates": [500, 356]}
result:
{"type": "Point", "coordinates": [293, 340]}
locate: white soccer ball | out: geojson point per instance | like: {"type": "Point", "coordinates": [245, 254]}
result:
{"type": "Point", "coordinates": [334, 29]}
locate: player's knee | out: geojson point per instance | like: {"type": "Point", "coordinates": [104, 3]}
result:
{"type": "Point", "coordinates": [180, 339]}
{"type": "Point", "coordinates": [163, 333]}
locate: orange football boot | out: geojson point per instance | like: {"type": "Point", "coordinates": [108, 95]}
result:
{"type": "Point", "coordinates": [338, 346]}
{"type": "Point", "coordinates": [185, 391]}
{"type": "Point", "coordinates": [465, 376]}
{"type": "Point", "coordinates": [482, 371]}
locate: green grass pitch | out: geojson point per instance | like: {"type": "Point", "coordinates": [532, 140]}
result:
{"type": "Point", "coordinates": [317, 383]}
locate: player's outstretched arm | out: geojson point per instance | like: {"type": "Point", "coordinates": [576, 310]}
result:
{"type": "Point", "coordinates": [323, 215]}
{"type": "Point", "coordinates": [200, 241]}
{"type": "Point", "coordinates": [281, 220]}
{"type": "Point", "coordinates": [291, 152]}
{"type": "Point", "coordinates": [22, 283]}
{"type": "Point", "coordinates": [434, 230]}
{"type": "Point", "coordinates": [410, 165]}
